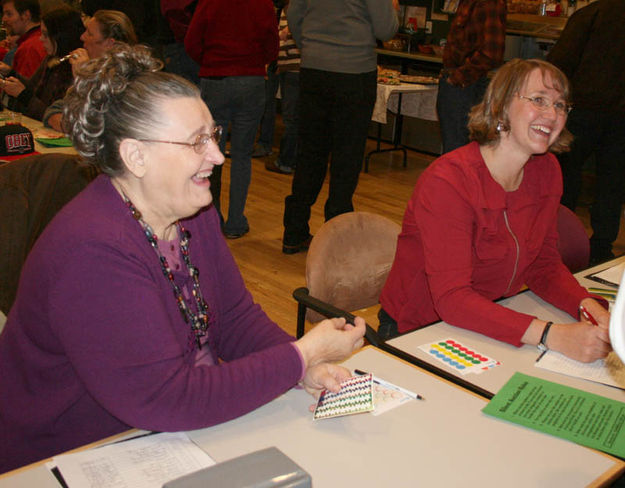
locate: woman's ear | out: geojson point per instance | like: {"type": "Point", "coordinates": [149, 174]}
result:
{"type": "Point", "coordinates": [108, 44]}
{"type": "Point", "coordinates": [132, 154]}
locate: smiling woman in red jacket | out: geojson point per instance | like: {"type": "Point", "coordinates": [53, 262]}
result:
{"type": "Point", "coordinates": [481, 223]}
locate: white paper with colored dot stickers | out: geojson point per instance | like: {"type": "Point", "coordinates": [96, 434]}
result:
{"type": "Point", "coordinates": [459, 357]}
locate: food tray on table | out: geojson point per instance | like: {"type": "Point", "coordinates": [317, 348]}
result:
{"type": "Point", "coordinates": [419, 79]}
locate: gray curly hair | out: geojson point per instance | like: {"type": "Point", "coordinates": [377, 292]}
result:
{"type": "Point", "coordinates": [115, 97]}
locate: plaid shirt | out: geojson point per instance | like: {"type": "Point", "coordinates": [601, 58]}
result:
{"type": "Point", "coordinates": [476, 41]}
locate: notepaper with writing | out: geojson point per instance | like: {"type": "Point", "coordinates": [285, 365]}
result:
{"type": "Point", "coordinates": [144, 462]}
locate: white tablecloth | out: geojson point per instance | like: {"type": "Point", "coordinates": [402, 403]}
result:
{"type": "Point", "coordinates": [418, 101]}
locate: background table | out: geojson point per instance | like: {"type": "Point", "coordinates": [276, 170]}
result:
{"type": "Point", "coordinates": [512, 358]}
{"type": "Point", "coordinates": [417, 101]}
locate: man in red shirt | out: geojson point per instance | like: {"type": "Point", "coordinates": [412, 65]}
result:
{"type": "Point", "coordinates": [233, 41]}
{"type": "Point", "coordinates": [475, 46]}
{"type": "Point", "coordinates": [22, 18]}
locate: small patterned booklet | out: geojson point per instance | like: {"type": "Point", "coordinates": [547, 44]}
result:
{"type": "Point", "coordinates": [355, 396]}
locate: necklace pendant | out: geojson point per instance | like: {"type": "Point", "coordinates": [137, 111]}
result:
{"type": "Point", "coordinates": [199, 342]}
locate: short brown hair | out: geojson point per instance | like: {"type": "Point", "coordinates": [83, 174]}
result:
{"type": "Point", "coordinates": [492, 111]}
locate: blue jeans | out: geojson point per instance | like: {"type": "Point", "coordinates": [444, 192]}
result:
{"type": "Point", "coordinates": [268, 121]}
{"type": "Point", "coordinates": [177, 61]}
{"type": "Point", "coordinates": [289, 85]}
{"type": "Point", "coordinates": [453, 106]}
{"type": "Point", "coordinates": [236, 102]}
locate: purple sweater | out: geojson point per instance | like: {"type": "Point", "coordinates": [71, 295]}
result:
{"type": "Point", "coordinates": [95, 343]}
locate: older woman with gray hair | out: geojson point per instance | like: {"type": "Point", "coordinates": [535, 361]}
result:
{"type": "Point", "coordinates": [131, 311]}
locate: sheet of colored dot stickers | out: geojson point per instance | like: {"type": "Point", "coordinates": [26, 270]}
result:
{"type": "Point", "coordinates": [355, 396]}
{"type": "Point", "coordinates": [460, 357]}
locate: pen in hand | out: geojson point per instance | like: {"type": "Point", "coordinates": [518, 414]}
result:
{"type": "Point", "coordinates": [382, 382]}
{"type": "Point", "coordinates": [586, 316]}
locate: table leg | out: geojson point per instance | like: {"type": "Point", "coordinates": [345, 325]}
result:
{"type": "Point", "coordinates": [397, 129]}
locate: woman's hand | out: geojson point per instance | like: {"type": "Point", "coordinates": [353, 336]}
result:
{"type": "Point", "coordinates": [324, 375]}
{"type": "Point", "coordinates": [79, 56]}
{"type": "Point", "coordinates": [283, 34]}
{"type": "Point", "coordinates": [331, 340]}
{"type": "Point", "coordinates": [582, 341]}
{"type": "Point", "coordinates": [12, 86]}
{"type": "Point", "coordinates": [597, 311]}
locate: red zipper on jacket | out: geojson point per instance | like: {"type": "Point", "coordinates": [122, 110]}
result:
{"type": "Point", "coordinates": [516, 243]}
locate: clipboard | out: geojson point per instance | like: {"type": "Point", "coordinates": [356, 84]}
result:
{"type": "Point", "coordinates": [614, 281]}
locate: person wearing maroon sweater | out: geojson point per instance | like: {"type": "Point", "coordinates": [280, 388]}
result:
{"type": "Point", "coordinates": [22, 18]}
{"type": "Point", "coordinates": [96, 342]}
{"type": "Point", "coordinates": [234, 41]}
{"type": "Point", "coordinates": [482, 222]}
{"type": "Point", "coordinates": [475, 46]}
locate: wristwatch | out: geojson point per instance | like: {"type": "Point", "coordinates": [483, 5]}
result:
{"type": "Point", "coordinates": [542, 346]}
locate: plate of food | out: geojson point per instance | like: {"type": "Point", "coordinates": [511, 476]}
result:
{"type": "Point", "coordinates": [419, 79]}
{"type": "Point", "coordinates": [388, 76]}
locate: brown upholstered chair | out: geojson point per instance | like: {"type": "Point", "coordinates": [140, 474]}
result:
{"type": "Point", "coordinates": [32, 191]}
{"type": "Point", "coordinates": [573, 243]}
{"type": "Point", "coordinates": [346, 267]}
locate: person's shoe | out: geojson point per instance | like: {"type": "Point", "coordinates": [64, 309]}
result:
{"type": "Point", "coordinates": [236, 234]}
{"type": "Point", "coordinates": [295, 248]}
{"type": "Point", "coordinates": [260, 151]}
{"type": "Point", "coordinates": [275, 167]}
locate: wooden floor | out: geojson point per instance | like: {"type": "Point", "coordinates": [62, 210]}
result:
{"type": "Point", "coordinates": [270, 275]}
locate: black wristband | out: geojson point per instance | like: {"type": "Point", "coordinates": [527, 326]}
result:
{"type": "Point", "coordinates": [542, 345]}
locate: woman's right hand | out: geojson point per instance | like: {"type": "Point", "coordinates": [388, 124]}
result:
{"type": "Point", "coordinates": [78, 57]}
{"type": "Point", "coordinates": [582, 341]}
{"type": "Point", "coordinates": [331, 340]}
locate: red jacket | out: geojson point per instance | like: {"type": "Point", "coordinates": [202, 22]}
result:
{"type": "Point", "coordinates": [233, 37]}
{"type": "Point", "coordinates": [456, 253]}
{"type": "Point", "coordinates": [29, 54]}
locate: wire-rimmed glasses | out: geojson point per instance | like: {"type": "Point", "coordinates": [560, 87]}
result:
{"type": "Point", "coordinates": [201, 141]}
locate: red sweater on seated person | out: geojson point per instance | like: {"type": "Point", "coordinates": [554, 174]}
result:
{"type": "Point", "coordinates": [30, 52]}
{"type": "Point", "coordinates": [466, 242]}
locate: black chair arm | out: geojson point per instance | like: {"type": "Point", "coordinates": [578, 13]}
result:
{"type": "Point", "coordinates": [305, 300]}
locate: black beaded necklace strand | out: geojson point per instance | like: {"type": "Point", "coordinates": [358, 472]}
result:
{"type": "Point", "coordinates": [199, 322]}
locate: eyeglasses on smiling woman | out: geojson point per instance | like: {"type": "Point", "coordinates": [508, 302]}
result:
{"type": "Point", "coordinates": [543, 103]}
{"type": "Point", "coordinates": [201, 141]}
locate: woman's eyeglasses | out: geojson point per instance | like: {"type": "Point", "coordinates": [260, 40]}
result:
{"type": "Point", "coordinates": [542, 103]}
{"type": "Point", "coordinates": [201, 141]}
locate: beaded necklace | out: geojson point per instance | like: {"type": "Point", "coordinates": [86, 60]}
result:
{"type": "Point", "coordinates": [199, 322]}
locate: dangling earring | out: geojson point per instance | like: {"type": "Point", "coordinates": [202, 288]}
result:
{"type": "Point", "coordinates": [500, 126]}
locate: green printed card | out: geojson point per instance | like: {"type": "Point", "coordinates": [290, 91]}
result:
{"type": "Point", "coordinates": [585, 418]}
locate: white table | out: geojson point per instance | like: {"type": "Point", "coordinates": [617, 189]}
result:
{"type": "Point", "coordinates": [405, 99]}
{"type": "Point", "coordinates": [444, 440]}
{"type": "Point", "coordinates": [513, 359]}
{"type": "Point", "coordinates": [418, 101]}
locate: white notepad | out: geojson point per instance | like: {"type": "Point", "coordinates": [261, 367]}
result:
{"type": "Point", "coordinates": [143, 462]}
{"type": "Point", "coordinates": [609, 371]}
